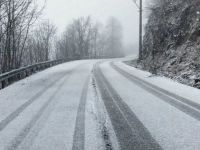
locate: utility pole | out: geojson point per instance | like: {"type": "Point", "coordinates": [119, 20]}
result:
{"type": "Point", "coordinates": [140, 31]}
{"type": "Point", "coordinates": [140, 7]}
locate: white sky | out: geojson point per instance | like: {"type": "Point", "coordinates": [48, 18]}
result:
{"type": "Point", "coordinates": [62, 12]}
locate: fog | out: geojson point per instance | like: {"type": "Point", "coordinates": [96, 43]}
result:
{"type": "Point", "coordinates": [62, 12]}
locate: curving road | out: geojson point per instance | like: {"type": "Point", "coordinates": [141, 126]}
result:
{"type": "Point", "coordinates": [95, 105]}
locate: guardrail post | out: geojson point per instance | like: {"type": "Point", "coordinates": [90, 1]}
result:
{"type": "Point", "coordinates": [39, 67]}
{"type": "Point", "coordinates": [1, 86]}
{"type": "Point", "coordinates": [21, 75]}
{"type": "Point", "coordinates": [18, 76]}
{"type": "Point", "coordinates": [4, 83]}
{"type": "Point", "coordinates": [26, 73]}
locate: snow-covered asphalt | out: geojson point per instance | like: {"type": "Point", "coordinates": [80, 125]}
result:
{"type": "Point", "coordinates": [98, 105]}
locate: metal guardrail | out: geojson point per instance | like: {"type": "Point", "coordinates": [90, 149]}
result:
{"type": "Point", "coordinates": [15, 75]}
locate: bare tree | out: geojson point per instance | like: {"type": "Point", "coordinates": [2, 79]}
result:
{"type": "Point", "coordinates": [40, 42]}
{"type": "Point", "coordinates": [86, 39]}
{"type": "Point", "coordinates": [76, 40]}
{"type": "Point", "coordinates": [16, 18]}
{"type": "Point", "coordinates": [114, 38]}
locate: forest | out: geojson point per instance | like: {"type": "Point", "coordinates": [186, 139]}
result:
{"type": "Point", "coordinates": [25, 39]}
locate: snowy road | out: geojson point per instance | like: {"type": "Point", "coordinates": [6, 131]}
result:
{"type": "Point", "coordinates": [98, 105]}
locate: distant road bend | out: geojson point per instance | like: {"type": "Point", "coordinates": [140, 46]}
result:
{"type": "Point", "coordinates": [95, 105]}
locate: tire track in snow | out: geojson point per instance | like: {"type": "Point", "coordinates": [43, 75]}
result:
{"type": "Point", "coordinates": [187, 106]}
{"type": "Point", "coordinates": [79, 131]}
{"type": "Point", "coordinates": [131, 133]}
{"type": "Point", "coordinates": [21, 108]}
{"type": "Point", "coordinates": [22, 135]}
{"type": "Point", "coordinates": [102, 120]}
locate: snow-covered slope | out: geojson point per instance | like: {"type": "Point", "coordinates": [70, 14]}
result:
{"type": "Point", "coordinates": [171, 41]}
